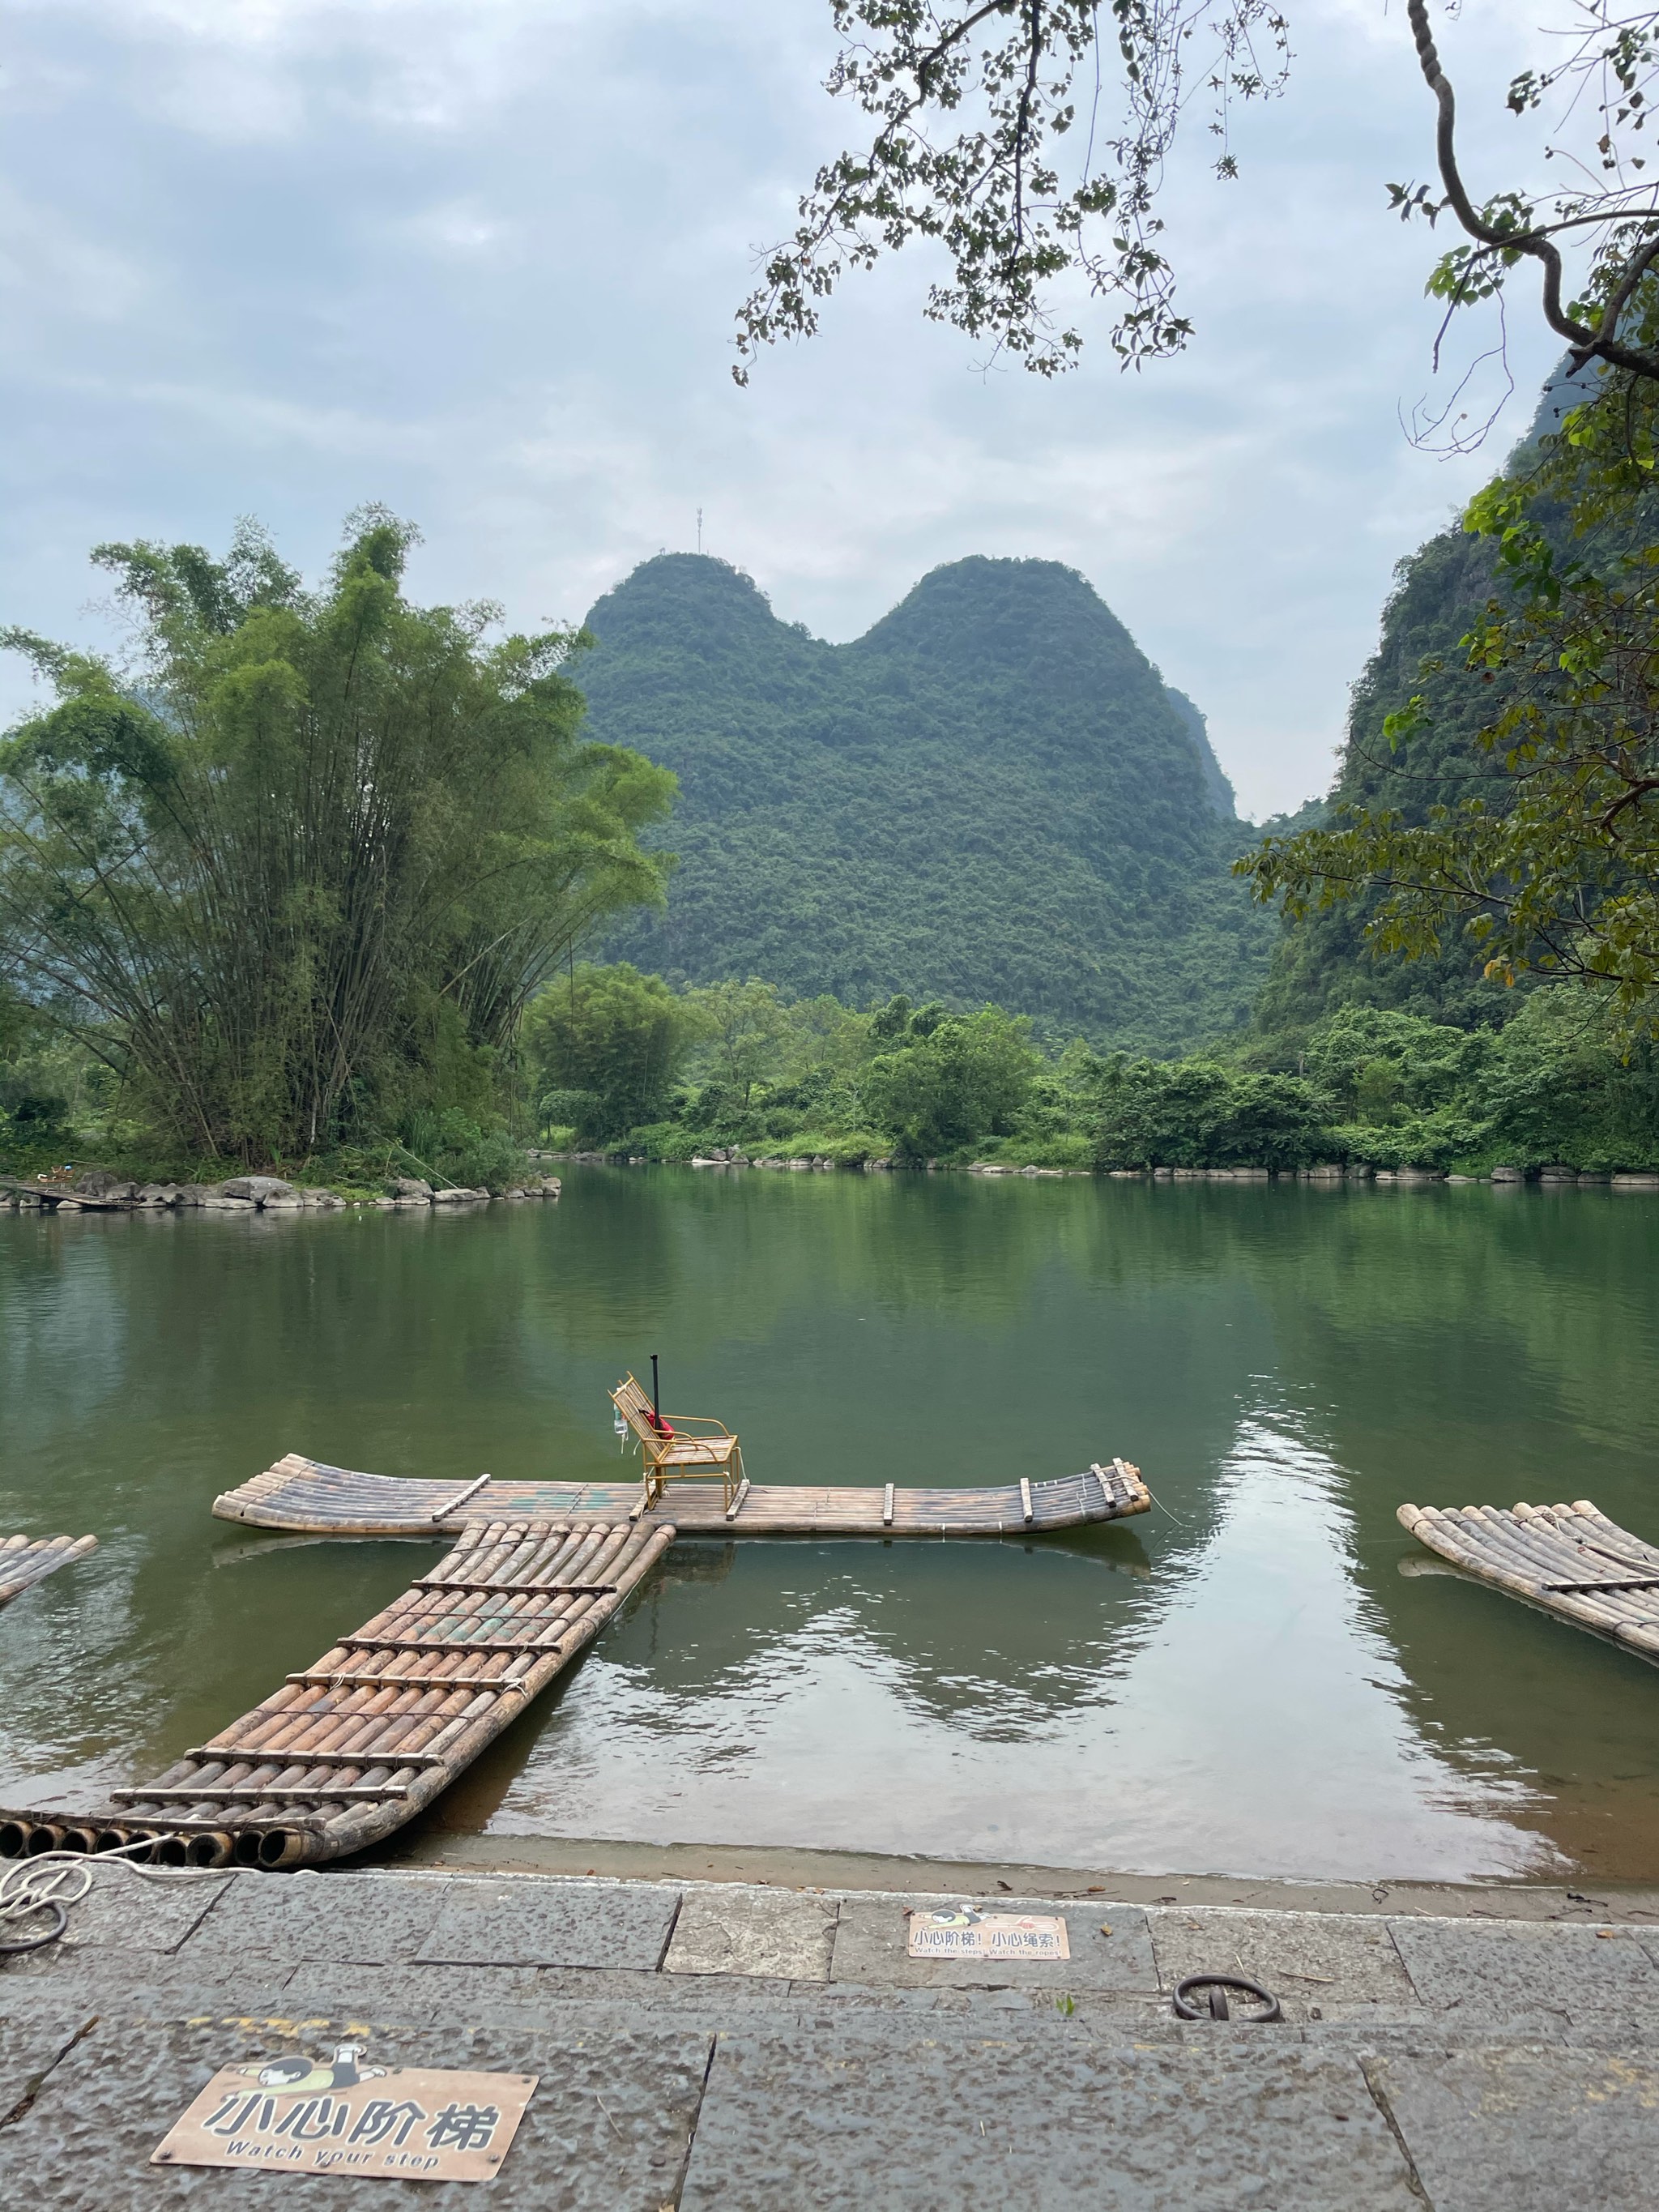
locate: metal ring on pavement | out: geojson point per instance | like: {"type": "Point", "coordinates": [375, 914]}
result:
{"type": "Point", "coordinates": [1217, 1986]}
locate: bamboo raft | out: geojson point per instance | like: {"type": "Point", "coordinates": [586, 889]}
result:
{"type": "Point", "coordinates": [1569, 1560]}
{"type": "Point", "coordinates": [23, 1563]}
{"type": "Point", "coordinates": [308, 1498]}
{"type": "Point", "coordinates": [351, 1748]}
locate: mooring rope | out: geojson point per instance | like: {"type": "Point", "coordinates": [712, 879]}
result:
{"type": "Point", "coordinates": [47, 1883]}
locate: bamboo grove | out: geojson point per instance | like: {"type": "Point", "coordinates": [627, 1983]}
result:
{"type": "Point", "coordinates": [299, 861]}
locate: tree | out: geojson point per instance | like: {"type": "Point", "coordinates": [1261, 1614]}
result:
{"type": "Point", "coordinates": [1373, 1060]}
{"type": "Point", "coordinates": [310, 845]}
{"type": "Point", "coordinates": [1189, 1113]}
{"type": "Point", "coordinates": [606, 1044]}
{"type": "Point", "coordinates": [970, 103]}
{"type": "Point", "coordinates": [746, 1028]}
{"type": "Point", "coordinates": [976, 107]}
{"type": "Point", "coordinates": [1552, 868]}
{"type": "Point", "coordinates": [1614, 223]}
{"type": "Point", "coordinates": [948, 1079]}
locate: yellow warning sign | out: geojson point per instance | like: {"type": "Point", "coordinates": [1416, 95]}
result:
{"type": "Point", "coordinates": [342, 2115]}
{"type": "Point", "coordinates": [958, 1932]}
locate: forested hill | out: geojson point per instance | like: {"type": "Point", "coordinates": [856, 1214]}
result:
{"type": "Point", "coordinates": [991, 795]}
{"type": "Point", "coordinates": [1439, 593]}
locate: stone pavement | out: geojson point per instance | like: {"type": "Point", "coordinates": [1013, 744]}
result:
{"type": "Point", "coordinates": [736, 2048]}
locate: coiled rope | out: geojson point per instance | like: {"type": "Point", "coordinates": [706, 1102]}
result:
{"type": "Point", "coordinates": [50, 1883]}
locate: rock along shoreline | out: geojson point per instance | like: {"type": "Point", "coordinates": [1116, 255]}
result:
{"type": "Point", "coordinates": [100, 1190]}
{"type": "Point", "coordinates": [1331, 1172]}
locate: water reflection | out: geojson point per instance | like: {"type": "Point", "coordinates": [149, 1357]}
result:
{"type": "Point", "coordinates": [1243, 1679]}
{"type": "Point", "coordinates": [1243, 1712]}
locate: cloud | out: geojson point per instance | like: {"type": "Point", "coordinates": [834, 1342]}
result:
{"type": "Point", "coordinates": [479, 258]}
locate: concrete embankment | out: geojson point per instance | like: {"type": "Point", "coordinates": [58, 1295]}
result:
{"type": "Point", "coordinates": [755, 2047]}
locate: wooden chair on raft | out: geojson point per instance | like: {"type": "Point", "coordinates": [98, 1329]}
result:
{"type": "Point", "coordinates": [673, 1453]}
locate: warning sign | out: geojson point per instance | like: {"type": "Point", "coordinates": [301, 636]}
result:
{"type": "Point", "coordinates": [340, 2115]}
{"type": "Point", "coordinates": [960, 1932]}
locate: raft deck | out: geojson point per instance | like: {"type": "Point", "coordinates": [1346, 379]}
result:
{"type": "Point", "coordinates": [1569, 1560]}
{"type": "Point", "coordinates": [307, 1497]}
{"type": "Point", "coordinates": [23, 1561]}
{"type": "Point", "coordinates": [353, 1747]}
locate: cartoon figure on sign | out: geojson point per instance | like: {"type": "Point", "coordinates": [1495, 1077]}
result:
{"type": "Point", "coordinates": [958, 1916]}
{"type": "Point", "coordinates": [341, 2072]}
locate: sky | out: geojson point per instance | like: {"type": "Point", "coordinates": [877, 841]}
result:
{"type": "Point", "coordinates": [479, 259]}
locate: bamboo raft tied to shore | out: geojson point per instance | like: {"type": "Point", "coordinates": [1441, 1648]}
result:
{"type": "Point", "coordinates": [307, 1497]}
{"type": "Point", "coordinates": [1569, 1560]}
{"type": "Point", "coordinates": [350, 1749]}
{"type": "Point", "coordinates": [25, 1561]}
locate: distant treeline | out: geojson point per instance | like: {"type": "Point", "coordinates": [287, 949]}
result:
{"type": "Point", "coordinates": [609, 1059]}
{"type": "Point", "coordinates": [623, 1063]}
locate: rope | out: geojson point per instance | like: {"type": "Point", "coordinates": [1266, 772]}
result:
{"type": "Point", "coordinates": [47, 1883]}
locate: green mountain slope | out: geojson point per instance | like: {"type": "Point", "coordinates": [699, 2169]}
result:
{"type": "Point", "coordinates": [1325, 962]}
{"type": "Point", "coordinates": [991, 795]}
{"type": "Point", "coordinates": [1439, 593]}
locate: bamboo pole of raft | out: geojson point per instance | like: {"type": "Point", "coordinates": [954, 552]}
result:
{"type": "Point", "coordinates": [306, 1496]}
{"type": "Point", "coordinates": [348, 1750]}
{"type": "Point", "coordinates": [1569, 1561]}
{"type": "Point", "coordinates": [24, 1560]}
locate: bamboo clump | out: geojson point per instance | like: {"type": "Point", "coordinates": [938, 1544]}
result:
{"type": "Point", "coordinates": [1569, 1560]}
{"type": "Point", "coordinates": [348, 1750]}
{"type": "Point", "coordinates": [24, 1561]}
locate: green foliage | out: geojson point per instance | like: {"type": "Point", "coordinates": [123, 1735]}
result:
{"type": "Point", "coordinates": [50, 1086]}
{"type": "Point", "coordinates": [316, 852]}
{"type": "Point", "coordinates": [605, 1044]}
{"type": "Point", "coordinates": [745, 1028]}
{"type": "Point", "coordinates": [1375, 1065]}
{"type": "Point", "coordinates": [447, 1146]}
{"type": "Point", "coordinates": [969, 108]}
{"type": "Point", "coordinates": [943, 1081]}
{"type": "Point", "coordinates": [1559, 1084]}
{"type": "Point", "coordinates": [1368, 1083]}
{"type": "Point", "coordinates": [990, 797]}
{"type": "Point", "coordinates": [1515, 823]}
{"type": "Point", "coordinates": [1330, 957]}
{"type": "Point", "coordinates": [904, 1083]}
{"type": "Point", "coordinates": [1200, 1114]}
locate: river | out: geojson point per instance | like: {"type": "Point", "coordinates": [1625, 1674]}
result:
{"type": "Point", "coordinates": [1250, 1678]}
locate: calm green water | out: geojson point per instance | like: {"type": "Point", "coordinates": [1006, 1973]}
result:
{"type": "Point", "coordinates": [1246, 1679]}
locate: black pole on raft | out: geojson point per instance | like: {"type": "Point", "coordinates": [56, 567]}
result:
{"type": "Point", "coordinates": [656, 1400]}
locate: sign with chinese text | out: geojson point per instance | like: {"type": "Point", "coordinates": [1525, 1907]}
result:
{"type": "Point", "coordinates": [339, 2115]}
{"type": "Point", "coordinates": [961, 1933]}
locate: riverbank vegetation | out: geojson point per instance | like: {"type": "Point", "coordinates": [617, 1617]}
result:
{"type": "Point", "coordinates": [304, 883]}
{"type": "Point", "coordinates": [631, 1068]}
{"type": "Point", "coordinates": [279, 885]}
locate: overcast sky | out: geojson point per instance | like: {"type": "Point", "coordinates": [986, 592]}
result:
{"type": "Point", "coordinates": [479, 259]}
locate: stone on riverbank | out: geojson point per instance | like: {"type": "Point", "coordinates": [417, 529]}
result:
{"type": "Point", "coordinates": [104, 1183]}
